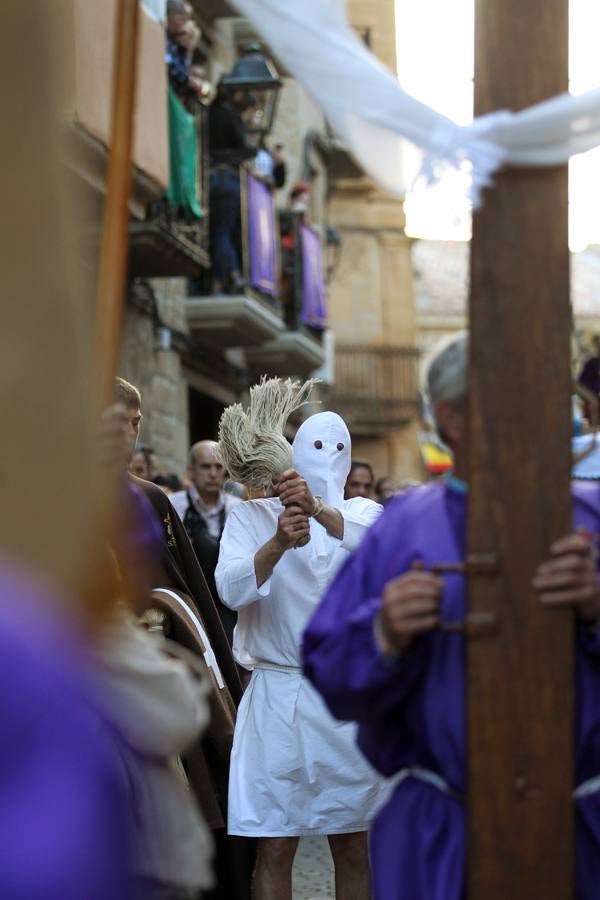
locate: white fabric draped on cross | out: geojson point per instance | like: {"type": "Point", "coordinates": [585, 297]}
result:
{"type": "Point", "coordinates": [370, 112]}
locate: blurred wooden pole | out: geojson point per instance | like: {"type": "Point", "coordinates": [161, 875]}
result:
{"type": "Point", "coordinates": [520, 680]}
{"type": "Point", "coordinates": [44, 370]}
{"type": "Point", "coordinates": [115, 229]}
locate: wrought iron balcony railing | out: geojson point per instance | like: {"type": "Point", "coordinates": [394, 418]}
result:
{"type": "Point", "coordinates": [173, 239]}
{"type": "Point", "coordinates": [376, 387]}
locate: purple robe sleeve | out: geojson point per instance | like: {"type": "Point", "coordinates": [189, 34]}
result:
{"type": "Point", "coordinates": [587, 515]}
{"type": "Point", "coordinates": [65, 831]}
{"type": "Point", "coordinates": [341, 657]}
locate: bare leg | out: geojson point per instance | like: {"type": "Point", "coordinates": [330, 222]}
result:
{"type": "Point", "coordinates": [351, 860]}
{"type": "Point", "coordinates": [273, 872]}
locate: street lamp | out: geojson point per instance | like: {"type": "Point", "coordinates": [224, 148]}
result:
{"type": "Point", "coordinates": [256, 75]}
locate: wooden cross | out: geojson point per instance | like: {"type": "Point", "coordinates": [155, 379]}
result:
{"type": "Point", "coordinates": [520, 678]}
{"type": "Point", "coordinates": [114, 251]}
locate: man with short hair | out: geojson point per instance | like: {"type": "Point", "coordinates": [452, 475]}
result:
{"type": "Point", "coordinates": [376, 653]}
{"type": "Point", "coordinates": [203, 509]}
{"type": "Point", "coordinates": [128, 396]}
{"type": "Point", "coordinates": [180, 566]}
{"type": "Point", "coordinates": [360, 481]}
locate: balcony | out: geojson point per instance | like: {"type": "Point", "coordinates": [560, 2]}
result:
{"type": "Point", "coordinates": [166, 246]}
{"type": "Point", "coordinates": [238, 320]}
{"type": "Point", "coordinates": [298, 350]}
{"type": "Point", "coordinates": [376, 389]}
{"type": "Point", "coordinates": [252, 315]}
{"type": "Point", "coordinates": [172, 241]}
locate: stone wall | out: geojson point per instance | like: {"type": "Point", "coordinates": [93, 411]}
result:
{"type": "Point", "coordinates": [371, 294]}
{"type": "Point", "coordinates": [396, 455]}
{"type": "Point", "coordinates": [158, 375]}
{"type": "Point", "coordinates": [378, 18]}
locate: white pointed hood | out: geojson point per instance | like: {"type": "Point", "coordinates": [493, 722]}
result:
{"type": "Point", "coordinates": [321, 451]}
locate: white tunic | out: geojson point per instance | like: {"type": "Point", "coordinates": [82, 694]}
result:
{"type": "Point", "coordinates": [294, 769]}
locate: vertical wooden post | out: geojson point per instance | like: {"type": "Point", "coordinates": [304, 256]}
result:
{"type": "Point", "coordinates": [520, 680]}
{"type": "Point", "coordinates": [115, 228]}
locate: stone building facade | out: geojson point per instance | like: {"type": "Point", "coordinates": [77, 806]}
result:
{"type": "Point", "coordinates": [371, 296]}
{"type": "Point", "coordinates": [192, 354]}
{"type": "Point", "coordinates": [441, 285]}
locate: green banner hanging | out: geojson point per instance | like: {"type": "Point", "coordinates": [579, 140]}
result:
{"type": "Point", "coordinates": [183, 162]}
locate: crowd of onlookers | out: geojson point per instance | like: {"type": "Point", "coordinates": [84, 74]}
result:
{"type": "Point", "coordinates": [185, 58]}
{"type": "Point", "coordinates": [144, 463]}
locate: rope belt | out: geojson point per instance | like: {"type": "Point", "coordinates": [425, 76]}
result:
{"type": "Point", "coordinates": [428, 777]}
{"type": "Point", "coordinates": [585, 789]}
{"type": "Point", "coordinates": [275, 667]}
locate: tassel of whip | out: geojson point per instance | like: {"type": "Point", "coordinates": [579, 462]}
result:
{"type": "Point", "coordinates": [252, 445]}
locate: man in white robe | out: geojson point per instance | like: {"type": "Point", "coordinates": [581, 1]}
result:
{"type": "Point", "coordinates": [294, 769]}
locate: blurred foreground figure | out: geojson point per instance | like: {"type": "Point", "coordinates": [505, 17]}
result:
{"type": "Point", "coordinates": [589, 376]}
{"type": "Point", "coordinates": [294, 771]}
{"type": "Point", "coordinates": [178, 566]}
{"type": "Point", "coordinates": [155, 702]}
{"type": "Point", "coordinates": [380, 654]}
{"type": "Point", "coordinates": [184, 611]}
{"type": "Point", "coordinates": [158, 705]}
{"type": "Point", "coordinates": [65, 822]}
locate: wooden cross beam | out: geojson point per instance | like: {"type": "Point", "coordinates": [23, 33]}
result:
{"type": "Point", "coordinates": [520, 679]}
{"type": "Point", "coordinates": [114, 251]}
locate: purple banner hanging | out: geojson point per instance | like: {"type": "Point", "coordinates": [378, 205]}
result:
{"type": "Point", "coordinates": [262, 238]}
{"type": "Point", "coordinates": [314, 305]}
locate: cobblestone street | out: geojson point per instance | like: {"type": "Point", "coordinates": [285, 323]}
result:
{"type": "Point", "coordinates": [313, 870]}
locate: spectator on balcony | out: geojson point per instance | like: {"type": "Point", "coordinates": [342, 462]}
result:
{"type": "Point", "coordinates": [200, 86]}
{"type": "Point", "coordinates": [177, 56]}
{"type": "Point", "coordinates": [298, 207]}
{"type": "Point", "coordinates": [360, 481]}
{"type": "Point", "coordinates": [299, 200]}
{"type": "Point", "coordinates": [228, 148]}
{"type": "Point", "coordinates": [271, 166]}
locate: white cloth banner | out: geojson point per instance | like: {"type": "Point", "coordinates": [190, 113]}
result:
{"type": "Point", "coordinates": [156, 9]}
{"type": "Point", "coordinates": [370, 112]}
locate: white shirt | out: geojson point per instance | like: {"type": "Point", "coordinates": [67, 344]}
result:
{"type": "Point", "coordinates": [212, 516]}
{"type": "Point", "coordinates": [271, 618]}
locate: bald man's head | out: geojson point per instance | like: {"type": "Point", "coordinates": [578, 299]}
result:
{"type": "Point", "coordinates": [205, 470]}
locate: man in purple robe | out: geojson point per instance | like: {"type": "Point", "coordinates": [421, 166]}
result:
{"type": "Point", "coordinates": [374, 652]}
